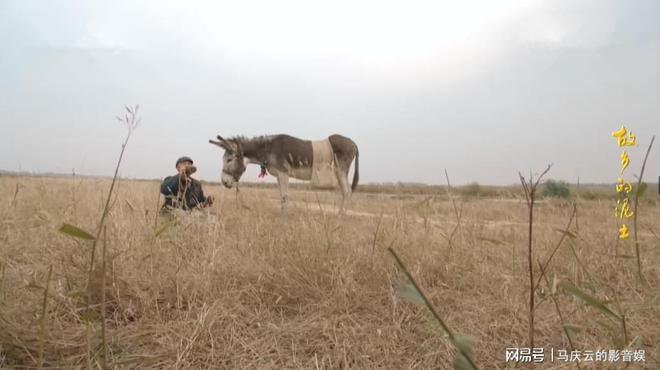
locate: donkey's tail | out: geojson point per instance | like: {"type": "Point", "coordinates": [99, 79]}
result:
{"type": "Point", "coordinates": [356, 171]}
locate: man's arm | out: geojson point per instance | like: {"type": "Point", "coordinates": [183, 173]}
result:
{"type": "Point", "coordinates": [199, 193]}
{"type": "Point", "coordinates": [200, 199]}
{"type": "Point", "coordinates": [170, 186]}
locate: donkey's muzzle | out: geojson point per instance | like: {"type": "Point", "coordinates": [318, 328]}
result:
{"type": "Point", "coordinates": [228, 180]}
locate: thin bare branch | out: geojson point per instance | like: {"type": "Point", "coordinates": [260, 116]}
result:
{"type": "Point", "coordinates": [530, 195]}
{"type": "Point", "coordinates": [538, 179]}
{"type": "Point", "coordinates": [524, 186]}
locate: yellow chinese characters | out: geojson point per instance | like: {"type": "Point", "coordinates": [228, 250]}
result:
{"type": "Point", "coordinates": [622, 210]}
{"type": "Point", "coordinates": [625, 161]}
{"type": "Point", "coordinates": [623, 140]}
{"type": "Point", "coordinates": [622, 186]}
{"type": "Point", "coordinates": [623, 232]}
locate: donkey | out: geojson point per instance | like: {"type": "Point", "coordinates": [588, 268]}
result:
{"type": "Point", "coordinates": [285, 156]}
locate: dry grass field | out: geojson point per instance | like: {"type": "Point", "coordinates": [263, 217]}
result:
{"type": "Point", "coordinates": [242, 286]}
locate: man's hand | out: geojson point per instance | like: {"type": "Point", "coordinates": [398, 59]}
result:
{"type": "Point", "coordinates": [209, 200]}
{"type": "Point", "coordinates": [182, 171]}
{"type": "Point", "coordinates": [186, 170]}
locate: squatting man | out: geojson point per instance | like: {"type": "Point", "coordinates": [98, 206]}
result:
{"type": "Point", "coordinates": [182, 191]}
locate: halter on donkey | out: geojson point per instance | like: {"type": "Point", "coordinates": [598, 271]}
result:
{"type": "Point", "coordinates": [285, 156]}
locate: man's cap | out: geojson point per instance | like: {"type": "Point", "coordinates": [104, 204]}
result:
{"type": "Point", "coordinates": [183, 159]}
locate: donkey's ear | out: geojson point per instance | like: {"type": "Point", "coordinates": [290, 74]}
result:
{"type": "Point", "coordinates": [231, 144]}
{"type": "Point", "coordinates": [221, 144]}
{"type": "Point", "coordinates": [237, 146]}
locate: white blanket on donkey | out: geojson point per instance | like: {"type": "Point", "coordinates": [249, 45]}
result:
{"type": "Point", "coordinates": [323, 165]}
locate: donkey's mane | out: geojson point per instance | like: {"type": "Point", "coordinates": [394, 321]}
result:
{"type": "Point", "coordinates": [253, 140]}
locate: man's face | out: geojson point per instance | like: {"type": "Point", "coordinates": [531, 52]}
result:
{"type": "Point", "coordinates": [183, 165]}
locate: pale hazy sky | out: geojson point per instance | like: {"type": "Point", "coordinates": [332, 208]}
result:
{"type": "Point", "coordinates": [482, 88]}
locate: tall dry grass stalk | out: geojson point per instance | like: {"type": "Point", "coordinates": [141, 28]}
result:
{"type": "Point", "coordinates": [639, 191]}
{"type": "Point", "coordinates": [42, 319]}
{"type": "Point", "coordinates": [577, 202]}
{"type": "Point", "coordinates": [564, 233]}
{"type": "Point", "coordinates": [3, 269]}
{"type": "Point", "coordinates": [130, 121]}
{"type": "Point", "coordinates": [15, 197]}
{"type": "Point", "coordinates": [104, 341]}
{"type": "Point", "coordinates": [530, 195]}
{"type": "Point", "coordinates": [462, 344]}
{"type": "Point", "coordinates": [553, 296]}
{"type": "Point", "coordinates": [458, 212]}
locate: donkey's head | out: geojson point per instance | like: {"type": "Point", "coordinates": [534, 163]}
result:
{"type": "Point", "coordinates": [233, 163]}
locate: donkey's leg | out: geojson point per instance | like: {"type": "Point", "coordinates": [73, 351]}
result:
{"type": "Point", "coordinates": [342, 179]}
{"type": "Point", "coordinates": [283, 181]}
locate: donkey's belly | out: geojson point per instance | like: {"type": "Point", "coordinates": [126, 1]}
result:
{"type": "Point", "coordinates": [301, 173]}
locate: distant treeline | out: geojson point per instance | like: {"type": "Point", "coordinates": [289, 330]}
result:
{"type": "Point", "coordinates": [549, 188]}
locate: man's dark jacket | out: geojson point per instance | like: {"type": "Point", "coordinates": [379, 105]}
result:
{"type": "Point", "coordinates": [192, 189]}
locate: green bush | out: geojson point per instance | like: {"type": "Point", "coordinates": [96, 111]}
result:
{"type": "Point", "coordinates": [557, 189]}
{"type": "Point", "coordinates": [470, 190]}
